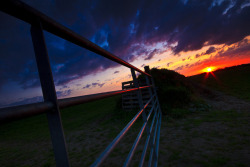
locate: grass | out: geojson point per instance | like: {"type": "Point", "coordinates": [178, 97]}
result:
{"type": "Point", "coordinates": [211, 138]}
{"type": "Point", "coordinates": [234, 81]}
{"type": "Point", "coordinates": [27, 142]}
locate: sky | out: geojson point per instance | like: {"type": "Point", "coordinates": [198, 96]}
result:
{"type": "Point", "coordinates": [186, 36]}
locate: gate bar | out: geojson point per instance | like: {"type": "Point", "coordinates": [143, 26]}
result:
{"type": "Point", "coordinates": [153, 141]}
{"type": "Point", "coordinates": [137, 140]}
{"type": "Point", "coordinates": [9, 114]}
{"type": "Point", "coordinates": [49, 94]}
{"type": "Point", "coordinates": [157, 143]}
{"type": "Point", "coordinates": [112, 145]}
{"type": "Point", "coordinates": [147, 141]}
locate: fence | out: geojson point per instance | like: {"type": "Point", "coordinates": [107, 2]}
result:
{"type": "Point", "coordinates": [51, 104]}
{"type": "Point", "coordinates": [130, 99]}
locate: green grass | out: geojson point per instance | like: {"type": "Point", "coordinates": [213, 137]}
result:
{"type": "Point", "coordinates": [27, 142]}
{"type": "Point", "coordinates": [234, 81]}
{"type": "Point", "coordinates": [211, 138]}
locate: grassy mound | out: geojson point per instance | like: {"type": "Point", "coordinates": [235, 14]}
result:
{"type": "Point", "coordinates": [174, 91]}
{"type": "Point", "coordinates": [232, 80]}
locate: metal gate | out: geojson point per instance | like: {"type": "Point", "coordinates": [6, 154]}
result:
{"type": "Point", "coordinates": [51, 105]}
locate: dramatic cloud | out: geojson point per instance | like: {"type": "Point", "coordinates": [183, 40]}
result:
{"type": "Point", "coordinates": [198, 55]}
{"type": "Point", "coordinates": [87, 86]}
{"type": "Point", "coordinates": [64, 93]}
{"type": "Point", "coordinates": [130, 29]}
{"type": "Point", "coordinates": [179, 68]}
{"type": "Point", "coordinates": [98, 84]}
{"type": "Point", "coordinates": [241, 48]}
{"type": "Point", "coordinates": [151, 55]}
{"type": "Point", "coordinates": [92, 85]}
{"type": "Point", "coordinates": [168, 64]}
{"type": "Point", "coordinates": [210, 50]}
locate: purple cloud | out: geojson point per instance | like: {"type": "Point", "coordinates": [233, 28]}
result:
{"type": "Point", "coordinates": [124, 28]}
{"type": "Point", "coordinates": [210, 50]}
{"type": "Point", "coordinates": [64, 93]}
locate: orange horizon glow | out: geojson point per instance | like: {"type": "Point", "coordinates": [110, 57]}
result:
{"type": "Point", "coordinates": [216, 64]}
{"type": "Point", "coordinates": [209, 69]}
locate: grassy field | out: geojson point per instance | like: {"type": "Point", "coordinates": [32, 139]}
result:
{"type": "Point", "coordinates": [233, 80]}
{"type": "Point", "coordinates": [208, 139]}
{"type": "Point", "coordinates": [200, 138]}
{"type": "Point", "coordinates": [88, 128]}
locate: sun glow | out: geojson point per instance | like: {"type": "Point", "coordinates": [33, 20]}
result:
{"type": "Point", "coordinates": [209, 69]}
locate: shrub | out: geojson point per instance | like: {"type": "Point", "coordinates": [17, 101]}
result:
{"type": "Point", "coordinates": [174, 97]}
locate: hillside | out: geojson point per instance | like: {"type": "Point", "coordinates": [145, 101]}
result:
{"type": "Point", "coordinates": [232, 80]}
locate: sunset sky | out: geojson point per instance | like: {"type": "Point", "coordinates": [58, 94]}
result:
{"type": "Point", "coordinates": [186, 36]}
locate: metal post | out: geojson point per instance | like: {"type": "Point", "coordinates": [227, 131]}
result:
{"type": "Point", "coordinates": [146, 69]}
{"type": "Point", "coordinates": [136, 84]}
{"type": "Point", "coordinates": [49, 94]}
{"type": "Point", "coordinates": [155, 146]}
{"type": "Point", "coordinates": [153, 84]}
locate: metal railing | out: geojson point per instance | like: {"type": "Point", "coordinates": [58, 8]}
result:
{"type": "Point", "coordinates": [51, 105]}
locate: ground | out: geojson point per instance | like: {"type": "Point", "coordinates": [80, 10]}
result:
{"type": "Point", "coordinates": [218, 136]}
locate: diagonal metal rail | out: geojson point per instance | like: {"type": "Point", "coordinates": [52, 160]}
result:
{"type": "Point", "coordinates": [51, 105]}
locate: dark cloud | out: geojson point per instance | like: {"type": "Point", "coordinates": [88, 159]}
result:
{"type": "Point", "coordinates": [198, 55]}
{"type": "Point", "coordinates": [116, 72]}
{"type": "Point", "coordinates": [124, 28]}
{"type": "Point", "coordinates": [94, 84]}
{"type": "Point", "coordinates": [210, 50]}
{"type": "Point", "coordinates": [86, 86]}
{"type": "Point", "coordinates": [63, 93]}
{"type": "Point", "coordinates": [98, 84]}
{"type": "Point", "coordinates": [179, 68]}
{"type": "Point", "coordinates": [241, 48]}
{"type": "Point", "coordinates": [168, 64]}
{"type": "Point", "coordinates": [151, 54]}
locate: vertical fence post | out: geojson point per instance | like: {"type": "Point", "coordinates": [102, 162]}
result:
{"type": "Point", "coordinates": [153, 84]}
{"type": "Point", "coordinates": [155, 145]}
{"type": "Point", "coordinates": [139, 96]}
{"type": "Point", "coordinates": [146, 69]}
{"type": "Point", "coordinates": [136, 85]}
{"type": "Point", "coordinates": [49, 94]}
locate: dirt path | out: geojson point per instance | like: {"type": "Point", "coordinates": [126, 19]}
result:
{"type": "Point", "coordinates": [220, 101]}
{"type": "Point", "coordinates": [219, 137]}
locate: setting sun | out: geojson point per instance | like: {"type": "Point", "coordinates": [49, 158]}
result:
{"type": "Point", "coordinates": [209, 69]}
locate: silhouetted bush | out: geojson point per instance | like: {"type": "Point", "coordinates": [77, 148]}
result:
{"type": "Point", "coordinates": [173, 89]}
{"type": "Point", "coordinates": [174, 96]}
